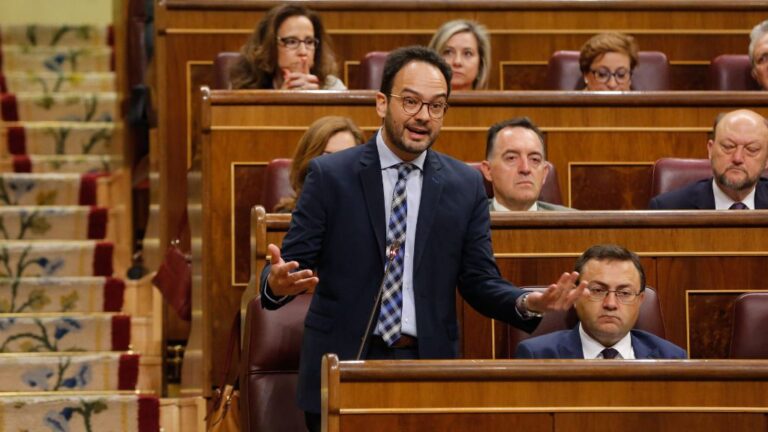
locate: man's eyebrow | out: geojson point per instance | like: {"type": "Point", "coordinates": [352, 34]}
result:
{"type": "Point", "coordinates": [410, 90]}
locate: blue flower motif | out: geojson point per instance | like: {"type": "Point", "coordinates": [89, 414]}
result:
{"type": "Point", "coordinates": [67, 413]}
{"type": "Point", "coordinates": [64, 326]}
{"type": "Point", "coordinates": [80, 380]}
{"type": "Point", "coordinates": [50, 267]}
{"type": "Point", "coordinates": [38, 378]}
{"type": "Point", "coordinates": [6, 323]}
{"type": "Point", "coordinates": [56, 421]}
{"type": "Point", "coordinates": [20, 186]}
{"type": "Point", "coordinates": [54, 63]}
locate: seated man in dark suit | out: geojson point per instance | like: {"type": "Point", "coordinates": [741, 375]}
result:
{"type": "Point", "coordinates": [515, 165]}
{"type": "Point", "coordinates": [738, 152]}
{"type": "Point", "coordinates": [616, 284]}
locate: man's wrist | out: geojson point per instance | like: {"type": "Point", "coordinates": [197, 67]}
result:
{"type": "Point", "coordinates": [523, 310]}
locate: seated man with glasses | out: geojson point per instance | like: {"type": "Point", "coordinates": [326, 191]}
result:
{"type": "Point", "coordinates": [607, 312]}
{"type": "Point", "coordinates": [607, 61]}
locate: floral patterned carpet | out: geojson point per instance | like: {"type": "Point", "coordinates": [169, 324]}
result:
{"type": "Point", "coordinates": [68, 361]}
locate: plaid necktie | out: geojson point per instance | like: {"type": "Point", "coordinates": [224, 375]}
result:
{"type": "Point", "coordinates": [388, 325]}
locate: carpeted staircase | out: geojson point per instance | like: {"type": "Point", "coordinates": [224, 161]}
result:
{"type": "Point", "coordinates": [78, 351]}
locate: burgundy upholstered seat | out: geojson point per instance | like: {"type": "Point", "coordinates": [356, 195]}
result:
{"type": "Point", "coordinates": [650, 74]}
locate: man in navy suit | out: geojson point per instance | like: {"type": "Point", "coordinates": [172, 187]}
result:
{"type": "Point", "coordinates": [738, 152]}
{"type": "Point", "coordinates": [616, 285]}
{"type": "Point", "coordinates": [339, 244]}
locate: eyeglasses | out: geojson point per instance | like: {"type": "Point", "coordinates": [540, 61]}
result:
{"type": "Point", "coordinates": [604, 75]}
{"type": "Point", "coordinates": [292, 43]}
{"type": "Point", "coordinates": [412, 106]}
{"type": "Point", "coordinates": [623, 296]}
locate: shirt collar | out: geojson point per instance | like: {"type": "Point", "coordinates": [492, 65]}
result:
{"type": "Point", "coordinates": [592, 348]}
{"type": "Point", "coordinates": [388, 159]}
{"type": "Point", "coordinates": [724, 202]}
{"type": "Point", "coordinates": [497, 206]}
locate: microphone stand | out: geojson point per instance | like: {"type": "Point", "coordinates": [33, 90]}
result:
{"type": "Point", "coordinates": [393, 248]}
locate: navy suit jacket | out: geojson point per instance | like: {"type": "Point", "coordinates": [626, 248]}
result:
{"type": "Point", "coordinates": [566, 344]}
{"type": "Point", "coordinates": [699, 196]}
{"type": "Point", "coordinates": [338, 229]}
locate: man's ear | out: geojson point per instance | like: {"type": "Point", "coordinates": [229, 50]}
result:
{"type": "Point", "coordinates": [710, 144]}
{"type": "Point", "coordinates": [485, 168]}
{"type": "Point", "coordinates": [546, 173]}
{"type": "Point", "coordinates": [381, 104]}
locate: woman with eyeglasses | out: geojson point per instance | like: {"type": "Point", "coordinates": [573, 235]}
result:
{"type": "Point", "coordinates": [288, 50]}
{"type": "Point", "coordinates": [607, 61]}
{"type": "Point", "coordinates": [465, 46]}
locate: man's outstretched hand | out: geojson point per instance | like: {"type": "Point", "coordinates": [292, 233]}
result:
{"type": "Point", "coordinates": [284, 279]}
{"type": "Point", "coordinates": [559, 296]}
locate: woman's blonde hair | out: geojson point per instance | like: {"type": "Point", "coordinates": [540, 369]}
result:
{"type": "Point", "coordinates": [311, 145]}
{"type": "Point", "coordinates": [447, 30]}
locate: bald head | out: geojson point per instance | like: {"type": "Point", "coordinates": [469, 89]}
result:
{"type": "Point", "coordinates": [739, 152]}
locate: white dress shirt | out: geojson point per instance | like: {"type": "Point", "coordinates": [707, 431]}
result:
{"type": "Point", "coordinates": [593, 349]}
{"type": "Point", "coordinates": [389, 162]}
{"type": "Point", "coordinates": [724, 202]}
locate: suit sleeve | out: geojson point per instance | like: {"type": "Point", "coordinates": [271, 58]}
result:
{"type": "Point", "coordinates": [522, 351]}
{"type": "Point", "coordinates": [653, 204]}
{"type": "Point", "coordinates": [303, 242]}
{"type": "Point", "coordinates": [480, 282]}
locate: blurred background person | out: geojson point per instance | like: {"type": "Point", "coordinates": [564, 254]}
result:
{"type": "Point", "coordinates": [465, 46]}
{"type": "Point", "coordinates": [288, 50]}
{"type": "Point", "coordinates": [758, 53]}
{"type": "Point", "coordinates": [326, 135]}
{"type": "Point", "coordinates": [607, 61]}
{"type": "Point", "coordinates": [515, 164]}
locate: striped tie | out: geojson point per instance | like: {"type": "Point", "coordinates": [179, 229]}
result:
{"type": "Point", "coordinates": [388, 325]}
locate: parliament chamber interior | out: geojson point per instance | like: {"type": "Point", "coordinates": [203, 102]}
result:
{"type": "Point", "coordinates": [150, 154]}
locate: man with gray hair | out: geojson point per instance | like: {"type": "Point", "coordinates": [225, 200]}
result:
{"type": "Point", "coordinates": [758, 53]}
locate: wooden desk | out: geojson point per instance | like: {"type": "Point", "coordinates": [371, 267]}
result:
{"type": "Point", "coordinates": [524, 33]}
{"type": "Point", "coordinates": [544, 395]}
{"type": "Point", "coordinates": [698, 261]}
{"type": "Point", "coordinates": [603, 145]}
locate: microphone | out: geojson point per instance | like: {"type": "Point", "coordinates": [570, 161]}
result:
{"type": "Point", "coordinates": [392, 253]}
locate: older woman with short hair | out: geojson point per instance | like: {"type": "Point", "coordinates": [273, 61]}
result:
{"type": "Point", "coordinates": [607, 61]}
{"type": "Point", "coordinates": [465, 46]}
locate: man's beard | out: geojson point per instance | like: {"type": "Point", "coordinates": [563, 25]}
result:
{"type": "Point", "coordinates": [746, 184]}
{"type": "Point", "coordinates": [396, 139]}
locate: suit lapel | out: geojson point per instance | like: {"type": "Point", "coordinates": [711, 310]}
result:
{"type": "Point", "coordinates": [705, 197]}
{"type": "Point", "coordinates": [761, 194]}
{"type": "Point", "coordinates": [642, 350]}
{"type": "Point", "coordinates": [570, 346]}
{"type": "Point", "coordinates": [431, 189]}
{"type": "Point", "coordinates": [370, 179]}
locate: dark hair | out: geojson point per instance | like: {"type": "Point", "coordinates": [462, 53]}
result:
{"type": "Point", "coordinates": [522, 122]}
{"type": "Point", "coordinates": [400, 57]}
{"type": "Point", "coordinates": [257, 64]}
{"type": "Point", "coordinates": [611, 252]}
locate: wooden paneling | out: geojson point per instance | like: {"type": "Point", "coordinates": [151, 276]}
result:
{"type": "Point", "coordinates": [697, 261]}
{"type": "Point", "coordinates": [562, 395]}
{"type": "Point", "coordinates": [189, 33]}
